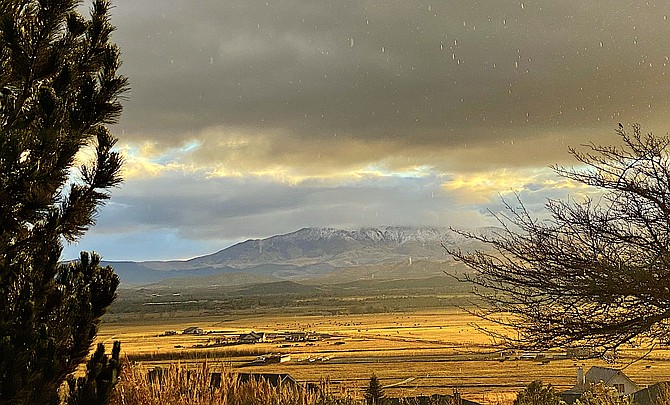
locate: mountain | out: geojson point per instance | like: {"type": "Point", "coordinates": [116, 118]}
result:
{"type": "Point", "coordinates": [337, 247]}
{"type": "Point", "coordinates": [326, 254]}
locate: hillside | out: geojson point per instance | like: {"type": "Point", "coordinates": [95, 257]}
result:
{"type": "Point", "coordinates": [315, 255]}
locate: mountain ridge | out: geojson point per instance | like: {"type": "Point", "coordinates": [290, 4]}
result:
{"type": "Point", "coordinates": [306, 253]}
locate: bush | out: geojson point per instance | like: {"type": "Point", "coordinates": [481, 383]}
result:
{"type": "Point", "coordinates": [538, 394]}
{"type": "Point", "coordinates": [599, 394]}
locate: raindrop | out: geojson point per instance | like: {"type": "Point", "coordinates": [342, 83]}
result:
{"type": "Point", "coordinates": [601, 44]}
{"type": "Point", "coordinates": [211, 60]}
{"type": "Point", "coordinates": [522, 6]}
{"type": "Point", "coordinates": [351, 42]}
{"type": "Point", "coordinates": [383, 49]}
{"type": "Point", "coordinates": [430, 8]}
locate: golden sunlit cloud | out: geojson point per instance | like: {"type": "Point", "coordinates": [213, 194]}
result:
{"type": "Point", "coordinates": [235, 152]}
{"type": "Point", "coordinates": [473, 172]}
{"type": "Point", "coordinates": [484, 187]}
{"type": "Point", "coordinates": [147, 161]}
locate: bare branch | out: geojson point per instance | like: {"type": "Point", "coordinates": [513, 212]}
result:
{"type": "Point", "coordinates": [596, 274]}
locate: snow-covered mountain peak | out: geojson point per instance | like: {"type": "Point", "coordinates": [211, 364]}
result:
{"type": "Point", "coordinates": [397, 234]}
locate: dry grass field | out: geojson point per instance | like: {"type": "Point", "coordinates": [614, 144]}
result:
{"type": "Point", "coordinates": [422, 352]}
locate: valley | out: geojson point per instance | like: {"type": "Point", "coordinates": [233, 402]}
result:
{"type": "Point", "coordinates": [423, 351]}
{"type": "Point", "coordinates": [383, 301]}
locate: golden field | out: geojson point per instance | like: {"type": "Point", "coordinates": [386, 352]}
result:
{"type": "Point", "coordinates": [420, 352]}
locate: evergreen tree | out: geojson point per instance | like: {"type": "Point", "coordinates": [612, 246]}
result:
{"type": "Point", "coordinates": [58, 92]}
{"type": "Point", "coordinates": [538, 394]}
{"type": "Point", "coordinates": [374, 391]}
{"type": "Point", "coordinates": [101, 375]}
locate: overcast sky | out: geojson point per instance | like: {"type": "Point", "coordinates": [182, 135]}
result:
{"type": "Point", "coordinates": [251, 118]}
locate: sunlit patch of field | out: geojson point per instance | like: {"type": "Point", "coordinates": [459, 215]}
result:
{"type": "Point", "coordinates": [423, 352]}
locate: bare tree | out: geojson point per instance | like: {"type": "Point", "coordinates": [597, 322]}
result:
{"type": "Point", "coordinates": [596, 272]}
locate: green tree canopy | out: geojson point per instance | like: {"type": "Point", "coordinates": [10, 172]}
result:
{"type": "Point", "coordinates": [59, 89]}
{"type": "Point", "coordinates": [374, 391]}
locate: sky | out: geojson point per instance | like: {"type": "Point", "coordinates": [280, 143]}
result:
{"type": "Point", "coordinates": [252, 118]}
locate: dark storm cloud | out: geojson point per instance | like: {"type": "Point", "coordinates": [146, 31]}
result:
{"type": "Point", "coordinates": [420, 73]}
{"type": "Point", "coordinates": [249, 118]}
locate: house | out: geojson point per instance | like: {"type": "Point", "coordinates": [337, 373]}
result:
{"type": "Point", "coordinates": [609, 377]}
{"type": "Point", "coordinates": [278, 358]}
{"type": "Point", "coordinates": [273, 379]}
{"type": "Point", "coordinates": [193, 330]}
{"type": "Point", "coordinates": [253, 337]}
{"type": "Point", "coordinates": [657, 394]}
{"type": "Point", "coordinates": [273, 358]}
{"type": "Point", "coordinates": [296, 336]}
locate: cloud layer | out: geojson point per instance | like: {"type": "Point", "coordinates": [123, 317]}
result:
{"type": "Point", "coordinates": [345, 112]}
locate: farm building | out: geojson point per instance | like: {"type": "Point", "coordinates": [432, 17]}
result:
{"type": "Point", "coordinates": [610, 377]}
{"type": "Point", "coordinates": [529, 355]}
{"type": "Point", "coordinates": [296, 336]}
{"type": "Point", "coordinates": [193, 330]}
{"type": "Point", "coordinates": [273, 358]}
{"type": "Point", "coordinates": [273, 379]}
{"type": "Point", "coordinates": [253, 337]}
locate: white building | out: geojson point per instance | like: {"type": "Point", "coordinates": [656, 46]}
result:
{"type": "Point", "coordinates": [609, 377]}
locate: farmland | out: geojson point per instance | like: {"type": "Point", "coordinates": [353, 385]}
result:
{"type": "Point", "coordinates": [422, 351]}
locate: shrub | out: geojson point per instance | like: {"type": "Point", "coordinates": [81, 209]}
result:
{"type": "Point", "coordinates": [538, 394]}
